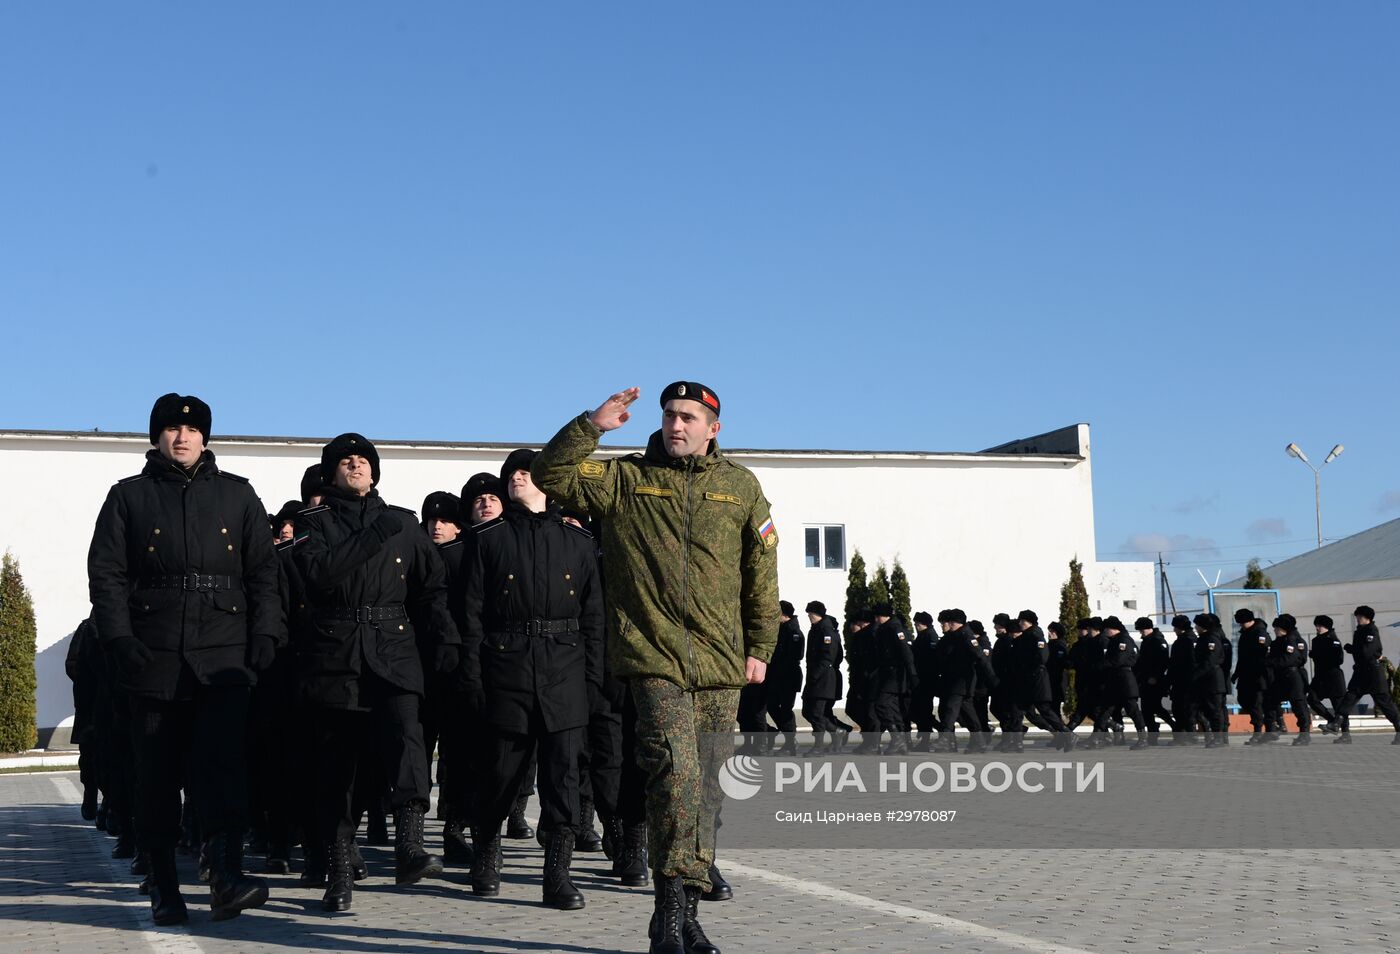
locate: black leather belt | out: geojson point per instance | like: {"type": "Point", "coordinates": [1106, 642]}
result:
{"type": "Point", "coordinates": [191, 581]}
{"type": "Point", "coordinates": [365, 614]}
{"type": "Point", "coordinates": [537, 627]}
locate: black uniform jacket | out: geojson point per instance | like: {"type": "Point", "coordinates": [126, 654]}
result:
{"type": "Point", "coordinates": [369, 573]}
{"type": "Point", "coordinates": [824, 657]}
{"type": "Point", "coordinates": [784, 676]}
{"type": "Point", "coordinates": [534, 618]}
{"type": "Point", "coordinates": [1030, 654]}
{"type": "Point", "coordinates": [1328, 655]}
{"type": "Point", "coordinates": [183, 562]}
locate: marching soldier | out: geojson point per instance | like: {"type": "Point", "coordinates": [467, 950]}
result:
{"type": "Point", "coordinates": [986, 683]}
{"type": "Point", "coordinates": [1086, 659]}
{"type": "Point", "coordinates": [784, 680]}
{"type": "Point", "coordinates": [1328, 682]}
{"type": "Point", "coordinates": [369, 573]}
{"type": "Point", "coordinates": [1181, 673]}
{"type": "Point", "coordinates": [184, 594]}
{"type": "Point", "coordinates": [921, 702]}
{"type": "Point", "coordinates": [534, 619]}
{"type": "Point", "coordinates": [860, 696]}
{"type": "Point", "coordinates": [1367, 677]}
{"type": "Point", "coordinates": [823, 686]}
{"type": "Point", "coordinates": [1003, 698]}
{"type": "Point", "coordinates": [1251, 675]}
{"type": "Point", "coordinates": [1030, 655]}
{"type": "Point", "coordinates": [960, 662]}
{"type": "Point", "coordinates": [1120, 685]}
{"type": "Point", "coordinates": [688, 631]}
{"type": "Point", "coordinates": [894, 677]}
{"type": "Point", "coordinates": [1057, 665]}
{"type": "Point", "coordinates": [1211, 683]}
{"type": "Point", "coordinates": [1288, 657]}
{"type": "Point", "coordinates": [1153, 676]}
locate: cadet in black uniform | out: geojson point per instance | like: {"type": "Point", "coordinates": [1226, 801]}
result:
{"type": "Point", "coordinates": [960, 661]}
{"type": "Point", "coordinates": [982, 689]}
{"type": "Point", "coordinates": [1120, 686]}
{"type": "Point", "coordinates": [1086, 659]}
{"type": "Point", "coordinates": [369, 572]}
{"type": "Point", "coordinates": [1030, 655]}
{"type": "Point", "coordinates": [184, 593]}
{"type": "Point", "coordinates": [921, 700]}
{"type": "Point", "coordinates": [1367, 677]}
{"type": "Point", "coordinates": [534, 659]}
{"type": "Point", "coordinates": [1181, 673]}
{"type": "Point", "coordinates": [1211, 684]}
{"type": "Point", "coordinates": [894, 677]}
{"type": "Point", "coordinates": [784, 679]}
{"type": "Point", "coordinates": [860, 695]}
{"type": "Point", "coordinates": [1328, 682]}
{"type": "Point", "coordinates": [1251, 677]}
{"type": "Point", "coordinates": [1003, 698]}
{"type": "Point", "coordinates": [1057, 664]}
{"type": "Point", "coordinates": [1288, 657]}
{"type": "Point", "coordinates": [823, 685]}
{"type": "Point", "coordinates": [1153, 676]}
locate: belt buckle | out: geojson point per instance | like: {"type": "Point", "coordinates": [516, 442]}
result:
{"type": "Point", "coordinates": [362, 614]}
{"type": "Point", "coordinates": [532, 627]}
{"type": "Point", "coordinates": [190, 581]}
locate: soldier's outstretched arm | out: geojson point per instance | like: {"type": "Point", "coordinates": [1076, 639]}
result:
{"type": "Point", "coordinates": [564, 472]}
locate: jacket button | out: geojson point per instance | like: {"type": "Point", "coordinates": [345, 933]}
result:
{"type": "Point", "coordinates": [401, 627]}
{"type": "Point", "coordinates": [568, 576]}
{"type": "Point", "coordinates": [224, 530]}
{"type": "Point", "coordinates": [145, 606]}
{"type": "Point", "coordinates": [571, 592]}
{"type": "Point", "coordinates": [150, 549]}
{"type": "Point", "coordinates": [235, 609]}
{"type": "Point", "coordinates": [230, 546]}
{"type": "Point", "coordinates": [510, 576]}
{"type": "Point", "coordinates": [157, 531]}
{"type": "Point", "coordinates": [398, 559]}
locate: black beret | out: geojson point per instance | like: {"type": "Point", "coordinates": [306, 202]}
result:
{"type": "Point", "coordinates": [1181, 622]}
{"type": "Point", "coordinates": [817, 606]}
{"type": "Point", "coordinates": [172, 410]}
{"type": "Point", "coordinates": [1143, 623]}
{"type": "Point", "coordinates": [1323, 621]}
{"type": "Point", "coordinates": [520, 459]}
{"type": "Point", "coordinates": [1029, 617]}
{"type": "Point", "coordinates": [924, 618]}
{"type": "Point", "coordinates": [1285, 621]}
{"type": "Point", "coordinates": [976, 626]}
{"type": "Point", "coordinates": [882, 609]}
{"type": "Point", "coordinates": [1365, 612]}
{"type": "Point", "coordinates": [1057, 628]}
{"type": "Point", "coordinates": [1113, 622]}
{"type": "Point", "coordinates": [344, 446]}
{"type": "Point", "coordinates": [786, 608]}
{"type": "Point", "coordinates": [865, 616]}
{"type": "Point", "coordinates": [691, 391]}
{"type": "Point", "coordinates": [1243, 615]}
{"type": "Point", "coordinates": [311, 483]}
{"type": "Point", "coordinates": [480, 484]}
{"type": "Point", "coordinates": [288, 512]}
{"type": "Point", "coordinates": [441, 505]}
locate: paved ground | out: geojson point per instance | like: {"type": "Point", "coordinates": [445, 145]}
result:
{"type": "Point", "coordinates": [59, 892]}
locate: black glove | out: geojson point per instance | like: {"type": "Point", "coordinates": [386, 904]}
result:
{"type": "Point", "coordinates": [131, 655]}
{"type": "Point", "coordinates": [1347, 648]}
{"type": "Point", "coordinates": [386, 525]}
{"type": "Point", "coordinates": [446, 658]}
{"type": "Point", "coordinates": [262, 651]}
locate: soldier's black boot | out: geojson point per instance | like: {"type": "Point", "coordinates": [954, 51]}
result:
{"type": "Point", "coordinates": [817, 747]}
{"type": "Point", "coordinates": [899, 744]}
{"type": "Point", "coordinates": [313, 873]}
{"type": "Point", "coordinates": [516, 825]}
{"type": "Point", "coordinates": [612, 838]}
{"type": "Point", "coordinates": [692, 934]}
{"type": "Point", "coordinates": [167, 905]}
{"type": "Point", "coordinates": [376, 828]}
{"type": "Point", "coordinates": [1396, 739]}
{"type": "Point", "coordinates": [587, 838]}
{"type": "Point", "coordinates": [1343, 739]}
{"type": "Point", "coordinates": [1302, 738]}
{"type": "Point", "coordinates": [559, 890]}
{"type": "Point", "coordinates": [279, 851]}
{"type": "Point", "coordinates": [838, 741]}
{"type": "Point", "coordinates": [126, 843]}
{"type": "Point", "coordinates": [340, 877]}
{"type": "Point", "coordinates": [358, 868]}
{"type": "Point", "coordinates": [924, 743]}
{"type": "Point", "coordinates": [789, 743]}
{"type": "Point", "coordinates": [139, 864]}
{"type": "Point", "coordinates": [99, 821]}
{"type": "Point", "coordinates": [230, 890]}
{"type": "Point", "coordinates": [719, 888]}
{"type": "Point", "coordinates": [456, 850]}
{"type": "Point", "coordinates": [411, 862]}
{"type": "Point", "coordinates": [486, 865]}
{"type": "Point", "coordinates": [668, 916]}
{"type": "Point", "coordinates": [631, 864]}
{"type": "Point", "coordinates": [869, 743]}
{"type": "Point", "coordinates": [89, 808]}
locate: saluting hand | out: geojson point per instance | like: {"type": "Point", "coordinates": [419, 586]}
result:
{"type": "Point", "coordinates": [613, 412]}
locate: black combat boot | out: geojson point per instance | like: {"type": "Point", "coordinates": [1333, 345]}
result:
{"type": "Point", "coordinates": [838, 741]}
{"type": "Point", "coordinates": [167, 906]}
{"type": "Point", "coordinates": [692, 934]}
{"type": "Point", "coordinates": [899, 744]}
{"type": "Point", "coordinates": [924, 743]}
{"type": "Point", "coordinates": [1343, 739]}
{"type": "Point", "coordinates": [313, 873]}
{"type": "Point", "coordinates": [587, 838]}
{"type": "Point", "coordinates": [376, 828]}
{"type": "Point", "coordinates": [411, 863]}
{"type": "Point", "coordinates": [340, 876]}
{"type": "Point", "coordinates": [126, 842]}
{"type": "Point", "coordinates": [818, 748]}
{"type": "Point", "coordinates": [789, 743]}
{"type": "Point", "coordinates": [456, 849]}
{"type": "Point", "coordinates": [1302, 738]}
{"type": "Point", "coordinates": [279, 852]}
{"type": "Point", "coordinates": [765, 743]}
{"type": "Point", "coordinates": [358, 868]}
{"type": "Point", "coordinates": [559, 890]}
{"type": "Point", "coordinates": [869, 743]}
{"type": "Point", "coordinates": [516, 825]}
{"type": "Point", "coordinates": [486, 865]}
{"type": "Point", "coordinates": [612, 838]}
{"type": "Point", "coordinates": [631, 864]}
{"type": "Point", "coordinates": [719, 888]}
{"type": "Point", "coordinates": [668, 916]}
{"type": "Point", "coordinates": [230, 890]}
{"type": "Point", "coordinates": [139, 864]}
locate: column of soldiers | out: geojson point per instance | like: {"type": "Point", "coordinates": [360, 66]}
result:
{"type": "Point", "coordinates": [293, 674]}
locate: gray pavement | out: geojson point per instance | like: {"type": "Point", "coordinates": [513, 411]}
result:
{"type": "Point", "coordinates": [60, 892]}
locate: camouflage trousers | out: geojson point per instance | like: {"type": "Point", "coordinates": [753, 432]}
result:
{"type": "Point", "coordinates": [682, 738]}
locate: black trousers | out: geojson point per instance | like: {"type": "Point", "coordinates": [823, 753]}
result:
{"type": "Point", "coordinates": [507, 761]}
{"type": "Point", "coordinates": [1300, 711]}
{"type": "Point", "coordinates": [1317, 704]}
{"type": "Point", "coordinates": [753, 704]}
{"type": "Point", "coordinates": [1153, 707]}
{"type": "Point", "coordinates": [1183, 712]}
{"type": "Point", "coordinates": [981, 703]}
{"type": "Point", "coordinates": [272, 762]}
{"type": "Point", "coordinates": [1103, 716]}
{"type": "Point", "coordinates": [1249, 691]}
{"type": "Point", "coordinates": [835, 723]}
{"type": "Point", "coordinates": [781, 706]}
{"type": "Point", "coordinates": [1382, 701]}
{"type": "Point", "coordinates": [385, 742]}
{"type": "Point", "coordinates": [921, 710]}
{"type": "Point", "coordinates": [957, 709]}
{"type": "Point", "coordinates": [201, 738]}
{"type": "Point", "coordinates": [863, 711]}
{"type": "Point", "coordinates": [609, 774]}
{"type": "Point", "coordinates": [815, 711]}
{"type": "Point", "coordinates": [889, 710]}
{"type": "Point", "coordinates": [1042, 715]}
{"type": "Point", "coordinates": [1212, 710]}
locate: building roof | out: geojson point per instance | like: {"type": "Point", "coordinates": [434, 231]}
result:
{"type": "Point", "coordinates": [1372, 554]}
{"type": "Point", "coordinates": [1062, 452]}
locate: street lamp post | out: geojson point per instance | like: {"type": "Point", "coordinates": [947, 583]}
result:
{"type": "Point", "coordinates": [1293, 450]}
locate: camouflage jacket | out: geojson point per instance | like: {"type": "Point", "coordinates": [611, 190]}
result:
{"type": "Point", "coordinates": [690, 554]}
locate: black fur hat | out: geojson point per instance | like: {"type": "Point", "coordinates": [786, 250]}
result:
{"type": "Point", "coordinates": [1323, 621]}
{"type": "Point", "coordinates": [976, 626]}
{"type": "Point", "coordinates": [480, 484]}
{"type": "Point", "coordinates": [1113, 622]}
{"type": "Point", "coordinates": [1365, 612]}
{"type": "Point", "coordinates": [1243, 615]}
{"type": "Point", "coordinates": [1028, 616]}
{"type": "Point", "coordinates": [441, 505]}
{"type": "Point", "coordinates": [519, 459]}
{"type": "Point", "coordinates": [172, 410]}
{"type": "Point", "coordinates": [882, 609]}
{"type": "Point", "coordinates": [923, 618]}
{"type": "Point", "coordinates": [1056, 627]}
{"type": "Point", "coordinates": [1181, 622]}
{"type": "Point", "coordinates": [952, 616]}
{"type": "Point", "coordinates": [786, 608]}
{"type": "Point", "coordinates": [311, 483]}
{"type": "Point", "coordinates": [817, 606]}
{"type": "Point", "coordinates": [1144, 623]}
{"type": "Point", "coordinates": [342, 447]}
{"type": "Point", "coordinates": [1285, 622]}
{"type": "Point", "coordinates": [288, 512]}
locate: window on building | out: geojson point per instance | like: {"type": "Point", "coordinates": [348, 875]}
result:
{"type": "Point", "coordinates": [1130, 604]}
{"type": "Point", "coordinates": [826, 547]}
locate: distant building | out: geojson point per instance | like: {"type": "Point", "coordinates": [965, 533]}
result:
{"type": "Point", "coordinates": [991, 531]}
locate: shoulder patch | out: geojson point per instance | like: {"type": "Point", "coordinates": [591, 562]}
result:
{"type": "Point", "coordinates": [240, 479]}
{"type": "Point", "coordinates": [591, 468]}
{"type": "Point", "coordinates": [127, 480]}
{"type": "Point", "coordinates": [310, 510]}
{"type": "Point", "coordinates": [768, 533]}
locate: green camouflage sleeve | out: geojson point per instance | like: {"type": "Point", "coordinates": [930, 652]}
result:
{"type": "Point", "coordinates": [565, 473]}
{"type": "Point", "coordinates": [759, 593]}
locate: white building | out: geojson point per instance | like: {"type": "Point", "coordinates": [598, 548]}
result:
{"type": "Point", "coordinates": [989, 531]}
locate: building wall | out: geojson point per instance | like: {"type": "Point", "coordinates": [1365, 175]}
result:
{"type": "Point", "coordinates": [985, 532]}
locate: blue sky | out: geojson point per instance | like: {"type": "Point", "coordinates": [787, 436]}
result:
{"type": "Point", "coordinates": [905, 226]}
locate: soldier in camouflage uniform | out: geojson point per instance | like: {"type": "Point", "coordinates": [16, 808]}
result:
{"type": "Point", "coordinates": [692, 595]}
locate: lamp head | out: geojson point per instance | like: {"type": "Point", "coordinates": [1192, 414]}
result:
{"type": "Point", "coordinates": [1295, 451]}
{"type": "Point", "coordinates": [1335, 453]}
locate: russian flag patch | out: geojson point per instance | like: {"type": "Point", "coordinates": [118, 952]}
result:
{"type": "Point", "coordinates": [768, 533]}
